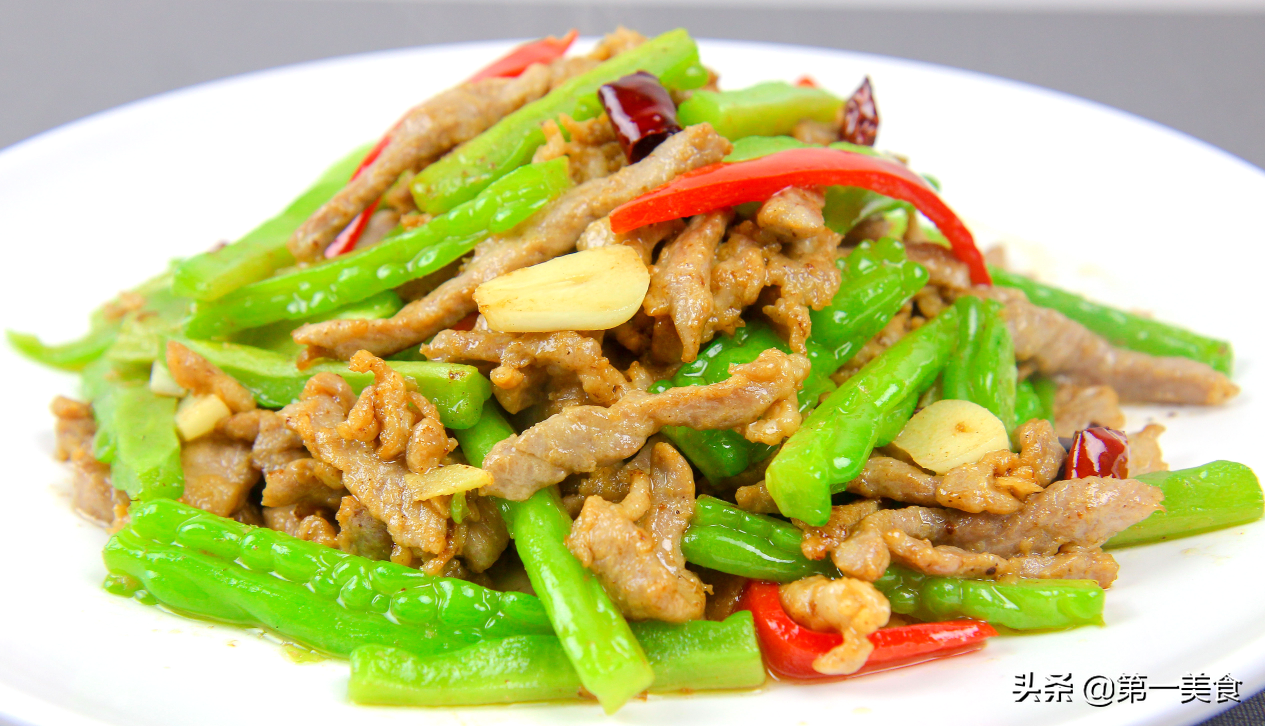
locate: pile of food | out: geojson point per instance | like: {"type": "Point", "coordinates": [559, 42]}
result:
{"type": "Point", "coordinates": [590, 379]}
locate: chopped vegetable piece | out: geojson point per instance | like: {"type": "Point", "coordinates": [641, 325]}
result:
{"type": "Point", "coordinates": [199, 564]}
{"type": "Point", "coordinates": [860, 116]}
{"type": "Point", "coordinates": [1098, 451]}
{"type": "Point", "coordinates": [262, 251]}
{"type": "Point", "coordinates": [595, 289]}
{"type": "Point", "coordinates": [513, 64]}
{"type": "Point", "coordinates": [70, 356]}
{"type": "Point", "coordinates": [983, 371]}
{"type": "Point", "coordinates": [137, 435]}
{"type": "Point", "coordinates": [724, 538]}
{"type": "Point", "coordinates": [641, 111]}
{"type": "Point", "coordinates": [765, 109]}
{"type": "Point", "coordinates": [1019, 605]}
{"type": "Point", "coordinates": [1126, 330]}
{"type": "Point", "coordinates": [393, 261]}
{"type": "Point", "coordinates": [467, 170]}
{"type": "Point", "coordinates": [457, 391]}
{"type": "Point", "coordinates": [832, 445]}
{"type": "Point", "coordinates": [1213, 496]}
{"type": "Point", "coordinates": [277, 336]}
{"type": "Point", "coordinates": [700, 655]}
{"type": "Point", "coordinates": [790, 648]}
{"type": "Point", "coordinates": [725, 185]}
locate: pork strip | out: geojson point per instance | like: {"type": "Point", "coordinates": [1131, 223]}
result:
{"type": "Point", "coordinates": [680, 282]}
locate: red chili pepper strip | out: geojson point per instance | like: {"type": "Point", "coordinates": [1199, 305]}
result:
{"type": "Point", "coordinates": [516, 61]}
{"type": "Point", "coordinates": [1098, 451]}
{"type": "Point", "coordinates": [790, 649]}
{"type": "Point", "coordinates": [347, 239]}
{"type": "Point", "coordinates": [725, 185]}
{"type": "Point", "coordinates": [807, 82]}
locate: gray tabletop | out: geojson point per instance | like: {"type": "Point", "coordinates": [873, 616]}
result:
{"type": "Point", "coordinates": [1196, 72]}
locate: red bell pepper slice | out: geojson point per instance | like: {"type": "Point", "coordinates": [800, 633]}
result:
{"type": "Point", "coordinates": [518, 60]}
{"type": "Point", "coordinates": [789, 648]}
{"type": "Point", "coordinates": [346, 240]}
{"type": "Point", "coordinates": [725, 185]}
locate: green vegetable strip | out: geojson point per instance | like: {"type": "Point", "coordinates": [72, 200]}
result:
{"type": "Point", "coordinates": [277, 338]}
{"type": "Point", "coordinates": [325, 287]}
{"type": "Point", "coordinates": [1027, 402]}
{"type": "Point", "coordinates": [1019, 605]}
{"type": "Point", "coordinates": [592, 631]}
{"type": "Point", "coordinates": [765, 109]}
{"type": "Point", "coordinates": [893, 422]}
{"type": "Point", "coordinates": [458, 391]}
{"type": "Point", "coordinates": [724, 538]}
{"type": "Point", "coordinates": [1213, 496]}
{"type": "Point", "coordinates": [1045, 388]}
{"type": "Point", "coordinates": [1123, 329]}
{"type": "Point", "coordinates": [207, 566]}
{"type": "Point", "coordinates": [262, 251]}
{"type": "Point", "coordinates": [831, 448]}
{"type": "Point", "coordinates": [983, 368]}
{"type": "Point", "coordinates": [700, 655]}
{"type": "Point", "coordinates": [137, 437]}
{"type": "Point", "coordinates": [141, 338]}
{"type": "Point", "coordinates": [470, 168]}
{"type": "Point", "coordinates": [103, 330]}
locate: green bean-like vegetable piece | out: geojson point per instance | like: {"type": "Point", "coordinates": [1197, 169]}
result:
{"type": "Point", "coordinates": [590, 628]}
{"type": "Point", "coordinates": [262, 251]}
{"type": "Point", "coordinates": [199, 564]}
{"type": "Point", "coordinates": [699, 655]}
{"type": "Point", "coordinates": [765, 109]}
{"type": "Point", "coordinates": [401, 257]}
{"type": "Point", "coordinates": [457, 390]}
{"type": "Point", "coordinates": [137, 436]}
{"type": "Point", "coordinates": [722, 537]}
{"type": "Point", "coordinates": [1020, 605]}
{"type": "Point", "coordinates": [467, 170]}
{"type": "Point", "coordinates": [831, 447]}
{"type": "Point", "coordinates": [1126, 330]}
{"type": "Point", "coordinates": [983, 368]}
{"type": "Point", "coordinates": [1213, 496]}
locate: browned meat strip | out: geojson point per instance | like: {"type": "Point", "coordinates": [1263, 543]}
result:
{"type": "Point", "coordinates": [552, 232]}
{"type": "Point", "coordinates": [853, 608]}
{"type": "Point", "coordinates": [737, 279]}
{"type": "Point", "coordinates": [304, 480]}
{"type": "Point", "coordinates": [300, 521]}
{"type": "Point", "coordinates": [485, 536]}
{"type": "Point", "coordinates": [1079, 407]}
{"type": "Point", "coordinates": [274, 444]}
{"type": "Point", "coordinates": [818, 542]}
{"type": "Point", "coordinates": [1057, 345]}
{"type": "Point", "coordinates": [558, 353]}
{"type": "Point", "coordinates": [634, 547]}
{"type": "Point", "coordinates": [946, 271]}
{"type": "Point", "coordinates": [94, 497]}
{"type": "Point", "coordinates": [643, 239]}
{"type": "Point", "coordinates": [217, 474]}
{"type": "Point", "coordinates": [192, 372]}
{"type": "Point", "coordinates": [815, 132]}
{"type": "Point", "coordinates": [755, 498]}
{"type": "Point", "coordinates": [680, 282]}
{"type": "Point", "coordinates": [75, 426]}
{"type": "Point", "coordinates": [998, 483]}
{"type": "Point", "coordinates": [1080, 512]}
{"type": "Point", "coordinates": [359, 533]}
{"type": "Point", "coordinates": [804, 270]}
{"type": "Point", "coordinates": [583, 438]}
{"type": "Point", "coordinates": [1075, 563]}
{"type": "Point", "coordinates": [1144, 451]}
{"type": "Point", "coordinates": [383, 487]}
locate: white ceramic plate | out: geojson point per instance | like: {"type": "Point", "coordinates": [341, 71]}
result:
{"type": "Point", "coordinates": [1104, 202]}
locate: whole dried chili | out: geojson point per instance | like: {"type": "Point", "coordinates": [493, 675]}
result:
{"type": "Point", "coordinates": [860, 116]}
{"type": "Point", "coordinates": [641, 111]}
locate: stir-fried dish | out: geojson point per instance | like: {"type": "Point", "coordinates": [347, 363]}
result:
{"type": "Point", "coordinates": [590, 378]}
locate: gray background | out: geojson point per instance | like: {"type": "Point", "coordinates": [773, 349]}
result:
{"type": "Point", "coordinates": [1197, 72]}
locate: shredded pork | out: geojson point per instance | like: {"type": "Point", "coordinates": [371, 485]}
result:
{"type": "Point", "coordinates": [853, 608]}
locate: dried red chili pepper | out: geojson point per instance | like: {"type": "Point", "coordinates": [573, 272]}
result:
{"type": "Point", "coordinates": [1098, 451]}
{"type": "Point", "coordinates": [860, 117]}
{"type": "Point", "coordinates": [641, 111]}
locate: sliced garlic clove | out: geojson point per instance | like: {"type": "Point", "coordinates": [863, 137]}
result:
{"type": "Point", "coordinates": [449, 479]}
{"type": "Point", "coordinates": [595, 289]}
{"type": "Point", "coordinates": [197, 415]}
{"type": "Point", "coordinates": [950, 433]}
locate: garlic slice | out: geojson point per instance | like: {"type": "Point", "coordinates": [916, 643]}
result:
{"type": "Point", "coordinates": [595, 289]}
{"type": "Point", "coordinates": [950, 433]}
{"type": "Point", "coordinates": [448, 479]}
{"type": "Point", "coordinates": [197, 415]}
